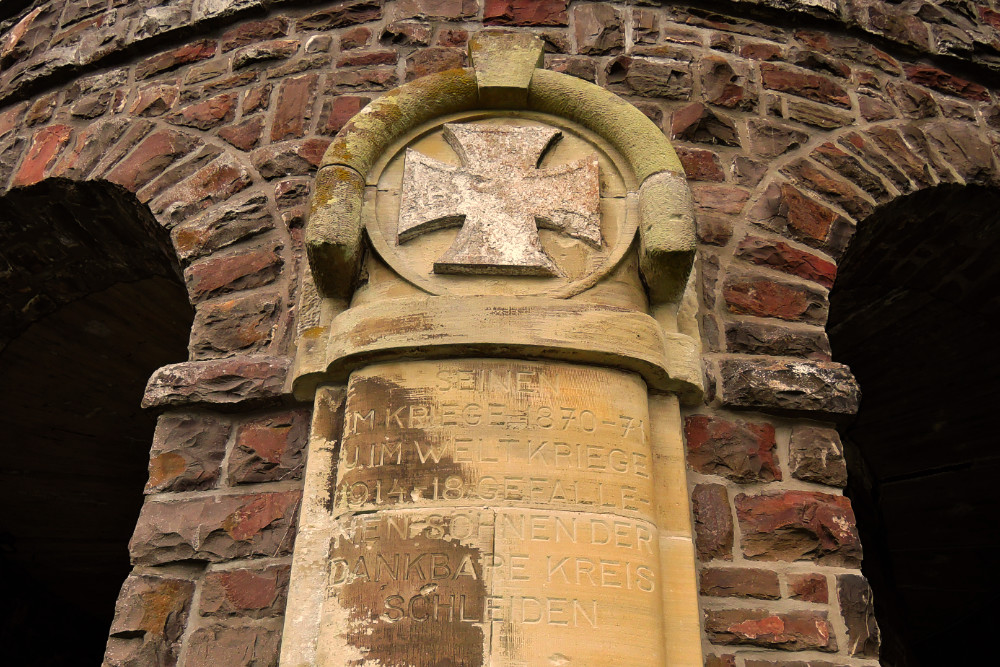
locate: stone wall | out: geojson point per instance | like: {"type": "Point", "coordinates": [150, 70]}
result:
{"type": "Point", "coordinates": [215, 114]}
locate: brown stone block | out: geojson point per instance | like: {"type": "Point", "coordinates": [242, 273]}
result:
{"type": "Point", "coordinates": [220, 274]}
{"type": "Point", "coordinates": [275, 49]}
{"type": "Point", "coordinates": [811, 86]}
{"type": "Point", "coordinates": [741, 582]}
{"type": "Point", "coordinates": [798, 387]}
{"type": "Point", "coordinates": [696, 122]}
{"type": "Point", "coordinates": [242, 380]}
{"type": "Point", "coordinates": [355, 38]}
{"type": "Point", "coordinates": [740, 451]}
{"type": "Point", "coordinates": [808, 588]}
{"type": "Point", "coordinates": [269, 449]}
{"type": "Point", "coordinates": [187, 452]}
{"type": "Point", "coordinates": [759, 296]}
{"type": "Point", "coordinates": [932, 77]}
{"type": "Point", "coordinates": [598, 29]}
{"type": "Point", "coordinates": [215, 182]}
{"type": "Point", "coordinates": [174, 58]}
{"type": "Point", "coordinates": [90, 146]}
{"type": "Point", "coordinates": [769, 139]}
{"type": "Point", "coordinates": [150, 158]}
{"type": "Point", "coordinates": [221, 228]}
{"type": "Point", "coordinates": [252, 592]}
{"type": "Point", "coordinates": [447, 10]}
{"type": "Point", "coordinates": [244, 135]}
{"type": "Point", "coordinates": [208, 114]}
{"type": "Point", "coordinates": [337, 112]}
{"type": "Point", "coordinates": [787, 259]}
{"type": "Point", "coordinates": [217, 645]}
{"type": "Point", "coordinates": [777, 340]}
{"type": "Point", "coordinates": [289, 158]}
{"type": "Point", "coordinates": [434, 59]}
{"type": "Point", "coordinates": [728, 199]}
{"type": "Point", "coordinates": [858, 610]}
{"type": "Point", "coordinates": [254, 31]}
{"type": "Point", "coordinates": [150, 616]}
{"type": "Point", "coordinates": [294, 107]}
{"type": "Point", "coordinates": [526, 12]}
{"type": "Point", "coordinates": [700, 165]}
{"type": "Point", "coordinates": [215, 528]}
{"type": "Point", "coordinates": [713, 522]}
{"type": "Point", "coordinates": [786, 631]}
{"type": "Point", "coordinates": [341, 14]}
{"type": "Point", "coordinates": [799, 525]}
{"type": "Point", "coordinates": [815, 454]}
{"type": "Point", "coordinates": [852, 169]}
{"type": "Point", "coordinates": [243, 324]}
{"type": "Point", "coordinates": [649, 78]}
{"type": "Point", "coordinates": [45, 146]}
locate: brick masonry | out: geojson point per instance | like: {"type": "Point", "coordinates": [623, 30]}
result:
{"type": "Point", "coordinates": [214, 114]}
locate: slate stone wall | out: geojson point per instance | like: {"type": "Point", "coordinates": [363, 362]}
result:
{"type": "Point", "coordinates": [795, 122]}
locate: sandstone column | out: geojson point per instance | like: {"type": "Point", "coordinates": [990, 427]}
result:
{"type": "Point", "coordinates": [500, 482]}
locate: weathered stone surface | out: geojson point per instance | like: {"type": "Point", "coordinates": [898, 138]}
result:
{"type": "Point", "coordinates": [294, 107]}
{"type": "Point", "coordinates": [696, 122]}
{"type": "Point", "coordinates": [222, 274]}
{"type": "Point", "coordinates": [858, 610]}
{"type": "Point", "coordinates": [835, 190]}
{"type": "Point", "coordinates": [714, 230]}
{"type": "Point", "coordinates": [45, 146]}
{"type": "Point", "coordinates": [187, 452]}
{"type": "Point", "coordinates": [787, 631]}
{"type": "Point", "coordinates": [150, 158]}
{"type": "Point", "coordinates": [217, 645]}
{"type": "Point", "coordinates": [256, 379]}
{"type": "Point", "coordinates": [598, 29]}
{"type": "Point", "coordinates": [777, 340]}
{"type": "Point", "coordinates": [769, 139]}
{"type": "Point", "coordinates": [208, 114]}
{"type": "Point", "coordinates": [448, 10]}
{"type": "Point", "coordinates": [269, 449]}
{"type": "Point", "coordinates": [497, 238]}
{"type": "Point", "coordinates": [432, 60]}
{"type": "Point", "coordinates": [700, 165]}
{"type": "Point", "coordinates": [740, 582]}
{"type": "Point", "coordinates": [964, 150]}
{"type": "Point", "coordinates": [724, 87]}
{"type": "Point", "coordinates": [713, 522]}
{"type": "Point", "coordinates": [740, 451]}
{"type": "Point", "coordinates": [342, 14]}
{"type": "Point", "coordinates": [850, 168]}
{"type": "Point", "coordinates": [719, 198]}
{"type": "Point", "coordinates": [254, 31]}
{"type": "Point", "coordinates": [810, 86]}
{"type": "Point", "coordinates": [219, 229]}
{"type": "Point", "coordinates": [639, 76]}
{"type": "Point", "coordinates": [720, 661]}
{"type": "Point", "coordinates": [215, 529]}
{"type": "Point", "coordinates": [788, 386]}
{"type": "Point", "coordinates": [338, 111]}
{"type": "Point", "coordinates": [90, 146]}
{"type": "Point", "coordinates": [244, 324]}
{"type": "Point", "coordinates": [799, 525]}
{"type": "Point", "coordinates": [787, 259]}
{"type": "Point", "coordinates": [753, 295]}
{"type": "Point", "coordinates": [289, 158]}
{"type": "Point", "coordinates": [815, 454]}
{"type": "Point", "coordinates": [932, 77]}
{"type": "Point", "coordinates": [150, 616]}
{"type": "Point", "coordinates": [252, 592]}
{"type": "Point", "coordinates": [169, 60]}
{"type": "Point", "coordinates": [808, 588]}
{"type": "Point", "coordinates": [526, 12]}
{"type": "Point", "coordinates": [244, 135]}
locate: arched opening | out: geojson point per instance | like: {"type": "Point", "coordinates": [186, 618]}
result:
{"type": "Point", "coordinates": [93, 304]}
{"type": "Point", "coordinates": [910, 313]}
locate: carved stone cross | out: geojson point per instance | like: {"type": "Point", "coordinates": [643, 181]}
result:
{"type": "Point", "coordinates": [500, 198]}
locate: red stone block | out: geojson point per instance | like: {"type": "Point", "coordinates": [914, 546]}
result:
{"type": "Point", "coordinates": [270, 449]}
{"type": "Point", "coordinates": [342, 14]}
{"type": "Point", "coordinates": [787, 631]}
{"type": "Point", "coordinates": [526, 12]}
{"type": "Point", "coordinates": [91, 145]}
{"type": "Point", "coordinates": [766, 298]}
{"type": "Point", "coordinates": [783, 257]}
{"type": "Point", "coordinates": [799, 525]}
{"type": "Point", "coordinates": [216, 182]}
{"type": "Point", "coordinates": [700, 165]}
{"type": "Point", "coordinates": [244, 135]}
{"type": "Point", "coordinates": [257, 98]}
{"type": "Point", "coordinates": [932, 77]}
{"type": "Point", "coordinates": [207, 114]}
{"type": "Point", "coordinates": [221, 228]}
{"type": "Point", "coordinates": [369, 58]}
{"type": "Point", "coordinates": [806, 217]}
{"type": "Point", "coordinates": [254, 31]}
{"type": "Point", "coordinates": [187, 452]}
{"type": "Point", "coordinates": [215, 529]}
{"type": "Point", "coordinates": [742, 582]}
{"type": "Point", "coordinates": [275, 49]}
{"type": "Point", "coordinates": [811, 86]}
{"type": "Point", "coordinates": [189, 53]}
{"type": "Point", "coordinates": [713, 522]}
{"type": "Point", "coordinates": [10, 118]}
{"type": "Point", "coordinates": [247, 592]}
{"type": "Point", "coordinates": [243, 324]}
{"type": "Point", "coordinates": [236, 271]}
{"type": "Point", "coordinates": [337, 112]}
{"type": "Point", "coordinates": [738, 450]}
{"type": "Point", "coordinates": [242, 380]}
{"type": "Point", "coordinates": [289, 158]}
{"type": "Point", "coordinates": [155, 99]}
{"type": "Point", "coordinates": [834, 189]}
{"type": "Point", "coordinates": [150, 158]}
{"type": "Point", "coordinates": [808, 587]}
{"type": "Point", "coordinates": [294, 107]}
{"type": "Point", "coordinates": [45, 146]}
{"type": "Point", "coordinates": [728, 199]}
{"type": "Point", "coordinates": [355, 38]}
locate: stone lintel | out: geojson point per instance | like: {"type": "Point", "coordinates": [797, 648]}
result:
{"type": "Point", "coordinates": [504, 64]}
{"type": "Point", "coordinates": [521, 327]}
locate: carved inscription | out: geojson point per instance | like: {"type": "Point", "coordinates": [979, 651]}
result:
{"type": "Point", "coordinates": [517, 581]}
{"type": "Point", "coordinates": [496, 432]}
{"type": "Point", "coordinates": [492, 512]}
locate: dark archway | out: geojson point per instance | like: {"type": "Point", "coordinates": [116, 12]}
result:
{"type": "Point", "coordinates": [92, 305]}
{"type": "Point", "coordinates": [910, 313]}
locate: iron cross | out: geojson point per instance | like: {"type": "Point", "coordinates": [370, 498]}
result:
{"type": "Point", "coordinates": [500, 198]}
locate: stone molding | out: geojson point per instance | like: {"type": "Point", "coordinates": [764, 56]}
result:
{"type": "Point", "coordinates": [505, 75]}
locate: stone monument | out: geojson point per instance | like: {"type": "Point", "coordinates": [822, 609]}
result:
{"type": "Point", "coordinates": [496, 341]}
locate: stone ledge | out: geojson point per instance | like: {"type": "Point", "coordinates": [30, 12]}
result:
{"type": "Point", "coordinates": [240, 381]}
{"type": "Point", "coordinates": [786, 386]}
